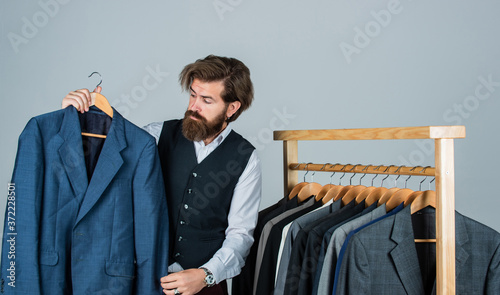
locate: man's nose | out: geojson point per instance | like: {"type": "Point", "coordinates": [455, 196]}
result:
{"type": "Point", "coordinates": [195, 105]}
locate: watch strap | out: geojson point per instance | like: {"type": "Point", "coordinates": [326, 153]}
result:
{"type": "Point", "coordinates": [208, 274]}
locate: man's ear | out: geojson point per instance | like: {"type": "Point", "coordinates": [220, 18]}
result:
{"type": "Point", "coordinates": [232, 108]}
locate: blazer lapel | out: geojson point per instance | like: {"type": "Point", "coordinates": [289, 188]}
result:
{"type": "Point", "coordinates": [461, 255]}
{"type": "Point", "coordinates": [404, 255]}
{"type": "Point", "coordinates": [108, 164]}
{"type": "Point", "coordinates": [461, 237]}
{"type": "Point", "coordinates": [71, 152]}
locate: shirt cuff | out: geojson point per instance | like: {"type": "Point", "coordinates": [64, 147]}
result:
{"type": "Point", "coordinates": [217, 269]}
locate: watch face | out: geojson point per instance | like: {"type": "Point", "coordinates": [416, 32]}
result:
{"type": "Point", "coordinates": [210, 280]}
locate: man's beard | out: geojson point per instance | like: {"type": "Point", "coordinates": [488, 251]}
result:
{"type": "Point", "coordinates": [201, 129]}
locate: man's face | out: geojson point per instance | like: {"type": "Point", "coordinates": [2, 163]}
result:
{"type": "Point", "coordinates": [207, 112]}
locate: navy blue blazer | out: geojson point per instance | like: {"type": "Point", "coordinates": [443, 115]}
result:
{"type": "Point", "coordinates": [69, 236]}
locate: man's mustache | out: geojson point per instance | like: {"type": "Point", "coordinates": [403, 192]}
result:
{"type": "Point", "coordinates": [195, 115]}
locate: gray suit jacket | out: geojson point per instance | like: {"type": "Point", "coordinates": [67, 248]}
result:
{"type": "Point", "coordinates": [339, 235]}
{"type": "Point", "coordinates": [382, 258]}
{"type": "Point", "coordinates": [296, 226]}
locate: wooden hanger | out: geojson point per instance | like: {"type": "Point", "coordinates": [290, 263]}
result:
{"type": "Point", "coordinates": [296, 189]}
{"type": "Point", "coordinates": [323, 191]}
{"type": "Point", "coordinates": [352, 194]}
{"type": "Point", "coordinates": [342, 192]}
{"type": "Point", "coordinates": [363, 194]}
{"type": "Point", "coordinates": [332, 193]}
{"type": "Point", "coordinates": [311, 189]}
{"type": "Point", "coordinates": [412, 197]}
{"type": "Point", "coordinates": [374, 196]}
{"type": "Point", "coordinates": [428, 198]}
{"type": "Point", "coordinates": [397, 198]}
{"type": "Point", "coordinates": [100, 102]}
{"type": "Point", "coordinates": [387, 195]}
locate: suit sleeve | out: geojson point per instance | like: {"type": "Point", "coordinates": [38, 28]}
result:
{"type": "Point", "coordinates": [150, 223]}
{"type": "Point", "coordinates": [20, 270]}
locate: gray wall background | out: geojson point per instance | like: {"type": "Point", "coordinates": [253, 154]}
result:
{"type": "Point", "coordinates": [315, 65]}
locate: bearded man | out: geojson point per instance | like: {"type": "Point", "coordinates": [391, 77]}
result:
{"type": "Point", "coordinates": [211, 174]}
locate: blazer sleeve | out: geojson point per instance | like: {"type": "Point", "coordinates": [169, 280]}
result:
{"type": "Point", "coordinates": [150, 222]}
{"type": "Point", "coordinates": [20, 269]}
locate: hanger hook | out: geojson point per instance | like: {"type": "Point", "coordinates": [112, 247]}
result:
{"type": "Point", "coordinates": [342, 169]}
{"type": "Point", "coordinates": [406, 180]}
{"type": "Point", "coordinates": [307, 171]}
{"type": "Point", "coordinates": [376, 169]}
{"type": "Point", "coordinates": [396, 180]}
{"type": "Point", "coordinates": [331, 176]}
{"type": "Point", "coordinates": [100, 76]}
{"type": "Point", "coordinates": [431, 182]}
{"type": "Point", "coordinates": [354, 173]}
{"type": "Point", "coordinates": [363, 174]}
{"type": "Point", "coordinates": [386, 169]}
{"type": "Point", "coordinates": [323, 168]}
{"type": "Point", "coordinates": [420, 184]}
{"type": "Point", "coordinates": [425, 168]}
{"type": "Point", "coordinates": [423, 171]}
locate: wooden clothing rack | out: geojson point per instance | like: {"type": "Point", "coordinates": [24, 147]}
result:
{"type": "Point", "coordinates": [443, 171]}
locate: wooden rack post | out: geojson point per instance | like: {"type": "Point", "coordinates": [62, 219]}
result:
{"type": "Point", "coordinates": [444, 171]}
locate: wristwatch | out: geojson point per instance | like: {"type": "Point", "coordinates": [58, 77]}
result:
{"type": "Point", "coordinates": [209, 277]}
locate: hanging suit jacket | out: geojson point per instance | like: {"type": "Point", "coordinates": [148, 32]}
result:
{"type": "Point", "coordinates": [242, 284]}
{"type": "Point", "coordinates": [382, 258]}
{"type": "Point", "coordinates": [109, 236]}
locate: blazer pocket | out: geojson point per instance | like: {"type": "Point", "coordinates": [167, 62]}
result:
{"type": "Point", "coordinates": [120, 269]}
{"type": "Point", "coordinates": [49, 258]}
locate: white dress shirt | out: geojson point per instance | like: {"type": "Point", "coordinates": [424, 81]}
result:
{"type": "Point", "coordinates": [243, 212]}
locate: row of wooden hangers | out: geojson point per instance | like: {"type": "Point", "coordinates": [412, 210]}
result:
{"type": "Point", "coordinates": [391, 197]}
{"type": "Point", "coordinates": [101, 103]}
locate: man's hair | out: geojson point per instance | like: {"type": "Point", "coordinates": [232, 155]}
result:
{"type": "Point", "coordinates": [234, 75]}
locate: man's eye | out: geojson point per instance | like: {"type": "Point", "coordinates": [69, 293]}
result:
{"type": "Point", "coordinates": [207, 101]}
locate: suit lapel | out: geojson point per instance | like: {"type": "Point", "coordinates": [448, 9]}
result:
{"type": "Point", "coordinates": [461, 255]}
{"type": "Point", "coordinates": [461, 237]}
{"type": "Point", "coordinates": [404, 255]}
{"type": "Point", "coordinates": [71, 152]}
{"type": "Point", "coordinates": [108, 164]}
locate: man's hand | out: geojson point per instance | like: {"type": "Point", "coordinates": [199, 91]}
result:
{"type": "Point", "coordinates": [187, 282]}
{"type": "Point", "coordinates": [80, 99]}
